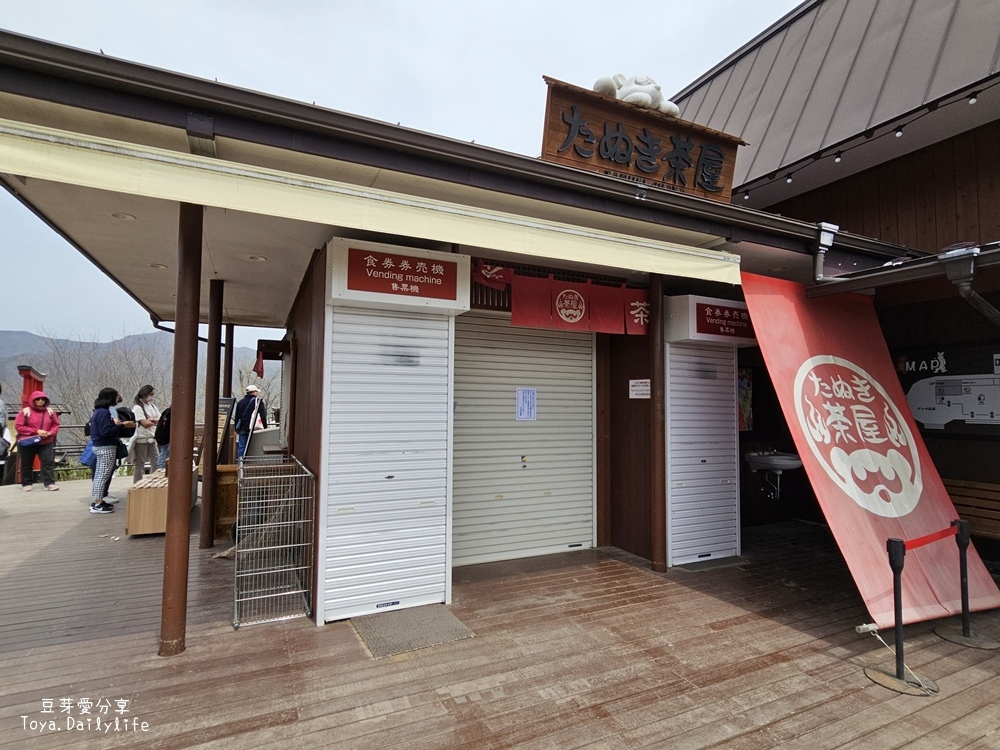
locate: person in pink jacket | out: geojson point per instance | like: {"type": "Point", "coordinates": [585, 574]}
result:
{"type": "Point", "coordinates": [36, 426]}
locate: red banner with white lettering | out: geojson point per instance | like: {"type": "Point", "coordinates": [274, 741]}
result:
{"type": "Point", "coordinates": [570, 305]}
{"type": "Point", "coordinates": [861, 449]}
{"type": "Point", "coordinates": [607, 309]}
{"type": "Point", "coordinates": [636, 311]}
{"type": "Point", "coordinates": [530, 302]}
{"type": "Point", "coordinates": [575, 306]}
{"type": "Point", "coordinates": [494, 277]}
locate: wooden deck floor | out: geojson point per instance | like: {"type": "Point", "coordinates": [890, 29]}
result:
{"type": "Point", "coordinates": [582, 650]}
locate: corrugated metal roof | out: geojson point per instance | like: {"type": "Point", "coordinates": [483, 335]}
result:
{"type": "Point", "coordinates": [834, 69]}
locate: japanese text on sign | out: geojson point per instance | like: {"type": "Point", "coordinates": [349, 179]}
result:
{"type": "Point", "coordinates": [666, 165]}
{"type": "Point", "coordinates": [723, 321]}
{"type": "Point", "coordinates": [370, 271]}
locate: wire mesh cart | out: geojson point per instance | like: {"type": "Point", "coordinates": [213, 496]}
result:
{"type": "Point", "coordinates": [274, 540]}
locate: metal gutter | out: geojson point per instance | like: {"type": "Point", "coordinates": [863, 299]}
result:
{"type": "Point", "coordinates": [957, 264]}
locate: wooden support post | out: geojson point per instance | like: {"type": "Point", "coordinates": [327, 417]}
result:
{"type": "Point", "coordinates": [209, 442]}
{"type": "Point", "coordinates": [173, 617]}
{"type": "Point", "coordinates": [658, 436]}
{"type": "Point", "coordinates": [227, 364]}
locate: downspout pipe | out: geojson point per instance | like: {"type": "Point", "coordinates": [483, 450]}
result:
{"type": "Point", "coordinates": [960, 265]}
{"type": "Point", "coordinates": [158, 325]}
{"type": "Point", "coordinates": [822, 243]}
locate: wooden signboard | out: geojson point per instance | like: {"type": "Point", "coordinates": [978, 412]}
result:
{"type": "Point", "coordinates": [591, 131]}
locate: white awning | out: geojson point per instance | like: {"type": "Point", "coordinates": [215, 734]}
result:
{"type": "Point", "coordinates": [60, 156]}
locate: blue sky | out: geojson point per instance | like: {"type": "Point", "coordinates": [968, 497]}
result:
{"type": "Point", "coordinates": [471, 71]}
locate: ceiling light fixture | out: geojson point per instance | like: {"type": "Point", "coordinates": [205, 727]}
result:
{"type": "Point", "coordinates": [158, 266]}
{"type": "Point", "coordinates": [899, 132]}
{"type": "Point", "coordinates": [838, 157]}
{"type": "Point", "coordinates": [974, 97]}
{"type": "Point", "coordinates": [788, 178]}
{"type": "Point", "coordinates": [746, 195]}
{"type": "Point", "coordinates": [257, 258]}
{"type": "Point", "coordinates": [123, 217]}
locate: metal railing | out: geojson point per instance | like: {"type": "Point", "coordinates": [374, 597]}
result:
{"type": "Point", "coordinates": [274, 540]}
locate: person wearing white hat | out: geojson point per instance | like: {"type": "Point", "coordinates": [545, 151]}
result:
{"type": "Point", "coordinates": [250, 414]}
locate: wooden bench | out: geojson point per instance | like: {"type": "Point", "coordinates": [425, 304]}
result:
{"type": "Point", "coordinates": [978, 503]}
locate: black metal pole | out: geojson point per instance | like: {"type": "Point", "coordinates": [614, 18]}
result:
{"type": "Point", "coordinates": [897, 554]}
{"type": "Point", "coordinates": [962, 538]}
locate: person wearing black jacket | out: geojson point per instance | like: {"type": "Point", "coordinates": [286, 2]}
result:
{"type": "Point", "coordinates": [162, 437]}
{"type": "Point", "coordinates": [105, 434]}
{"type": "Point", "coordinates": [248, 410]}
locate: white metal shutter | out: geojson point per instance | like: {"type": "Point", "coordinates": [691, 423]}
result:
{"type": "Point", "coordinates": [702, 453]}
{"type": "Point", "coordinates": [388, 475]}
{"type": "Point", "coordinates": [505, 508]}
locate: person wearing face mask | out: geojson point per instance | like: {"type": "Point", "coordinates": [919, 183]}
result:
{"type": "Point", "coordinates": [144, 443]}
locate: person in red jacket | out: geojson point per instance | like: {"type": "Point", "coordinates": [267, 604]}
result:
{"type": "Point", "coordinates": [36, 426]}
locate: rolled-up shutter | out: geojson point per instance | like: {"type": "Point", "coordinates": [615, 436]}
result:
{"type": "Point", "coordinates": [521, 488]}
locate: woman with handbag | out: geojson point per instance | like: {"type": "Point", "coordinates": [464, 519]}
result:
{"type": "Point", "coordinates": [36, 426]}
{"type": "Point", "coordinates": [144, 442]}
{"type": "Point", "coordinates": [106, 434]}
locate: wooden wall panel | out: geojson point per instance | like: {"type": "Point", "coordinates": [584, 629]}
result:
{"type": "Point", "coordinates": [906, 218]}
{"type": "Point", "coordinates": [630, 452]}
{"type": "Point", "coordinates": [887, 203]}
{"type": "Point", "coordinates": [966, 199]}
{"type": "Point", "coordinates": [307, 326]}
{"type": "Point", "coordinates": [926, 212]}
{"type": "Point", "coordinates": [988, 181]}
{"type": "Point", "coordinates": [870, 209]}
{"type": "Point", "coordinates": [836, 205]}
{"type": "Point", "coordinates": [946, 193]}
{"type": "Point", "coordinates": [855, 205]}
{"type": "Point", "coordinates": [945, 198]}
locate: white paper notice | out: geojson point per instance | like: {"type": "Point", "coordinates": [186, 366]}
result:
{"type": "Point", "coordinates": [526, 403]}
{"type": "Point", "coordinates": [638, 388]}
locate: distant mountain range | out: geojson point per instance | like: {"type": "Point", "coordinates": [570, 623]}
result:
{"type": "Point", "coordinates": [23, 348]}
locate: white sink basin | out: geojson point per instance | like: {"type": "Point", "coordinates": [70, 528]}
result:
{"type": "Point", "coordinates": [773, 461]}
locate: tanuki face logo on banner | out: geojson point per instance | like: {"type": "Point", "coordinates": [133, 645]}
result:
{"type": "Point", "coordinates": [858, 435]}
{"type": "Point", "coordinates": [570, 305]}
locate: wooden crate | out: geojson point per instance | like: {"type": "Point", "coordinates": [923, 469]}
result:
{"type": "Point", "coordinates": [225, 498]}
{"type": "Point", "coordinates": [146, 512]}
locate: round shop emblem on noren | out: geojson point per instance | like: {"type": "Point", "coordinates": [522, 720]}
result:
{"type": "Point", "coordinates": [570, 305]}
{"type": "Point", "coordinates": [858, 435]}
